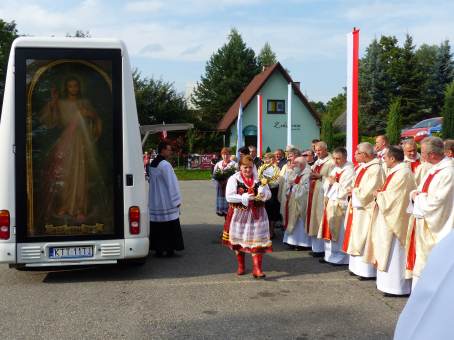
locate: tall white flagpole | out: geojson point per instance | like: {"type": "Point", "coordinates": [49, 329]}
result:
{"type": "Point", "coordinates": [259, 126]}
{"type": "Point", "coordinates": [352, 93]}
{"type": "Point", "coordinates": [239, 131]}
{"type": "Point", "coordinates": [289, 114]}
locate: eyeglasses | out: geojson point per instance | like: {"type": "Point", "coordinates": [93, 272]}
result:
{"type": "Point", "coordinates": [306, 155]}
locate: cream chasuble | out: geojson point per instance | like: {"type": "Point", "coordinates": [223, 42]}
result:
{"type": "Point", "coordinates": [315, 200]}
{"type": "Point", "coordinates": [336, 201]}
{"type": "Point", "coordinates": [296, 200]}
{"type": "Point", "coordinates": [390, 217]}
{"type": "Point", "coordinates": [433, 210]}
{"type": "Point", "coordinates": [357, 222]}
{"type": "Point", "coordinates": [421, 171]}
{"type": "Point", "coordinates": [286, 174]}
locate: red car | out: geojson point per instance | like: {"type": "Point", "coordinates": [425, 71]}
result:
{"type": "Point", "coordinates": [421, 130]}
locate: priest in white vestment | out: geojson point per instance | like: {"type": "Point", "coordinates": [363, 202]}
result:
{"type": "Point", "coordinates": [285, 173]}
{"type": "Point", "coordinates": [321, 169]}
{"type": "Point", "coordinates": [411, 155]}
{"type": "Point", "coordinates": [390, 224]}
{"type": "Point", "coordinates": [164, 204]}
{"type": "Point", "coordinates": [335, 190]}
{"type": "Point", "coordinates": [432, 205]}
{"type": "Point", "coordinates": [368, 179]}
{"type": "Point", "coordinates": [297, 188]}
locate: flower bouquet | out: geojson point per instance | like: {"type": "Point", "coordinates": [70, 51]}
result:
{"type": "Point", "coordinates": [223, 175]}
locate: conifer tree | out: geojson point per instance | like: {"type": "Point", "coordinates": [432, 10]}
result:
{"type": "Point", "coordinates": [410, 84]}
{"type": "Point", "coordinates": [443, 75]}
{"type": "Point", "coordinates": [266, 56]}
{"type": "Point", "coordinates": [394, 122]}
{"type": "Point", "coordinates": [227, 73]}
{"type": "Point", "coordinates": [448, 113]}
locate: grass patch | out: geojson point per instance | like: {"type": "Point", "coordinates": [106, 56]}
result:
{"type": "Point", "coordinates": [191, 175]}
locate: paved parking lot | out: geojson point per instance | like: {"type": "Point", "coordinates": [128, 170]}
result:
{"type": "Point", "coordinates": [196, 295]}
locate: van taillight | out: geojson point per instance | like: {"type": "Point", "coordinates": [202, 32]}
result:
{"type": "Point", "coordinates": [134, 220]}
{"type": "Point", "coordinates": [4, 224]}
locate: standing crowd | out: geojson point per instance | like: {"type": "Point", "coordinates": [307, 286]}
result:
{"type": "Point", "coordinates": [380, 216]}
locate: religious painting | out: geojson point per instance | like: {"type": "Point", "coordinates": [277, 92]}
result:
{"type": "Point", "coordinates": [69, 150]}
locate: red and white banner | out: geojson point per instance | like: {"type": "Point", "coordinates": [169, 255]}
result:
{"type": "Point", "coordinates": [259, 126]}
{"type": "Point", "coordinates": [352, 93]}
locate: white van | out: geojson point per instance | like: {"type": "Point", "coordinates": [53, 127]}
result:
{"type": "Point", "coordinates": [72, 190]}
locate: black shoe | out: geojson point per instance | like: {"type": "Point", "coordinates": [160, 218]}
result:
{"type": "Point", "coordinates": [317, 254]}
{"type": "Point", "coordinates": [338, 264]}
{"type": "Point", "coordinates": [299, 248]}
{"type": "Point", "coordinates": [362, 278]}
{"type": "Point", "coordinates": [158, 254]}
{"type": "Point", "coordinates": [395, 295]}
{"type": "Point", "coordinates": [322, 260]}
{"type": "Point", "coordinates": [290, 247]}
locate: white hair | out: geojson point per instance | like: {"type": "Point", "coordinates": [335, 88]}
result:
{"type": "Point", "coordinates": [434, 144]}
{"type": "Point", "coordinates": [366, 148]}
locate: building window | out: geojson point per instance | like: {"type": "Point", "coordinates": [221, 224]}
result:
{"type": "Point", "coordinates": [276, 106]}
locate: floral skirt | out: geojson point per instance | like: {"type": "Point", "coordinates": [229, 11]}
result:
{"type": "Point", "coordinates": [247, 231]}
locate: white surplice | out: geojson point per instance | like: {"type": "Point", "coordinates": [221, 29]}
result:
{"type": "Point", "coordinates": [164, 197]}
{"type": "Point", "coordinates": [336, 194]}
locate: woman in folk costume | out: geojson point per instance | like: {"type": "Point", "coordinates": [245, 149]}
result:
{"type": "Point", "coordinates": [268, 173]}
{"type": "Point", "coordinates": [221, 173]}
{"type": "Point", "coordinates": [246, 229]}
{"type": "Point", "coordinates": [297, 187]}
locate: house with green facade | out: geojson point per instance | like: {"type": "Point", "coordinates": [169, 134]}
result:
{"type": "Point", "coordinates": [272, 84]}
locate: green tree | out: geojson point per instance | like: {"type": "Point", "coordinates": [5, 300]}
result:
{"type": "Point", "coordinates": [426, 56]}
{"type": "Point", "coordinates": [327, 130]}
{"type": "Point", "coordinates": [157, 101]}
{"type": "Point", "coordinates": [443, 75]}
{"type": "Point", "coordinates": [448, 113]}
{"type": "Point", "coordinates": [79, 34]}
{"type": "Point", "coordinates": [227, 73]}
{"type": "Point", "coordinates": [394, 121]}
{"type": "Point", "coordinates": [8, 33]}
{"type": "Point", "coordinates": [334, 108]}
{"type": "Point", "coordinates": [411, 83]}
{"type": "Point", "coordinates": [319, 106]}
{"type": "Point", "coordinates": [373, 101]}
{"type": "Point", "coordinates": [266, 56]}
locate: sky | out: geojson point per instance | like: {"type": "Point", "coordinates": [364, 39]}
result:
{"type": "Point", "coordinates": [173, 39]}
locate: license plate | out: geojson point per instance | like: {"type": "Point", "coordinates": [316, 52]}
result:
{"type": "Point", "coordinates": [70, 252]}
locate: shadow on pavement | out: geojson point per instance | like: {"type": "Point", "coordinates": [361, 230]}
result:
{"type": "Point", "coordinates": [203, 256]}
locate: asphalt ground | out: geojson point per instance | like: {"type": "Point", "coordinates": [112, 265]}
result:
{"type": "Point", "coordinates": [196, 295]}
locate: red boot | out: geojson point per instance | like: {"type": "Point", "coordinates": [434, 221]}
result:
{"type": "Point", "coordinates": [241, 267]}
{"type": "Point", "coordinates": [257, 271]}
